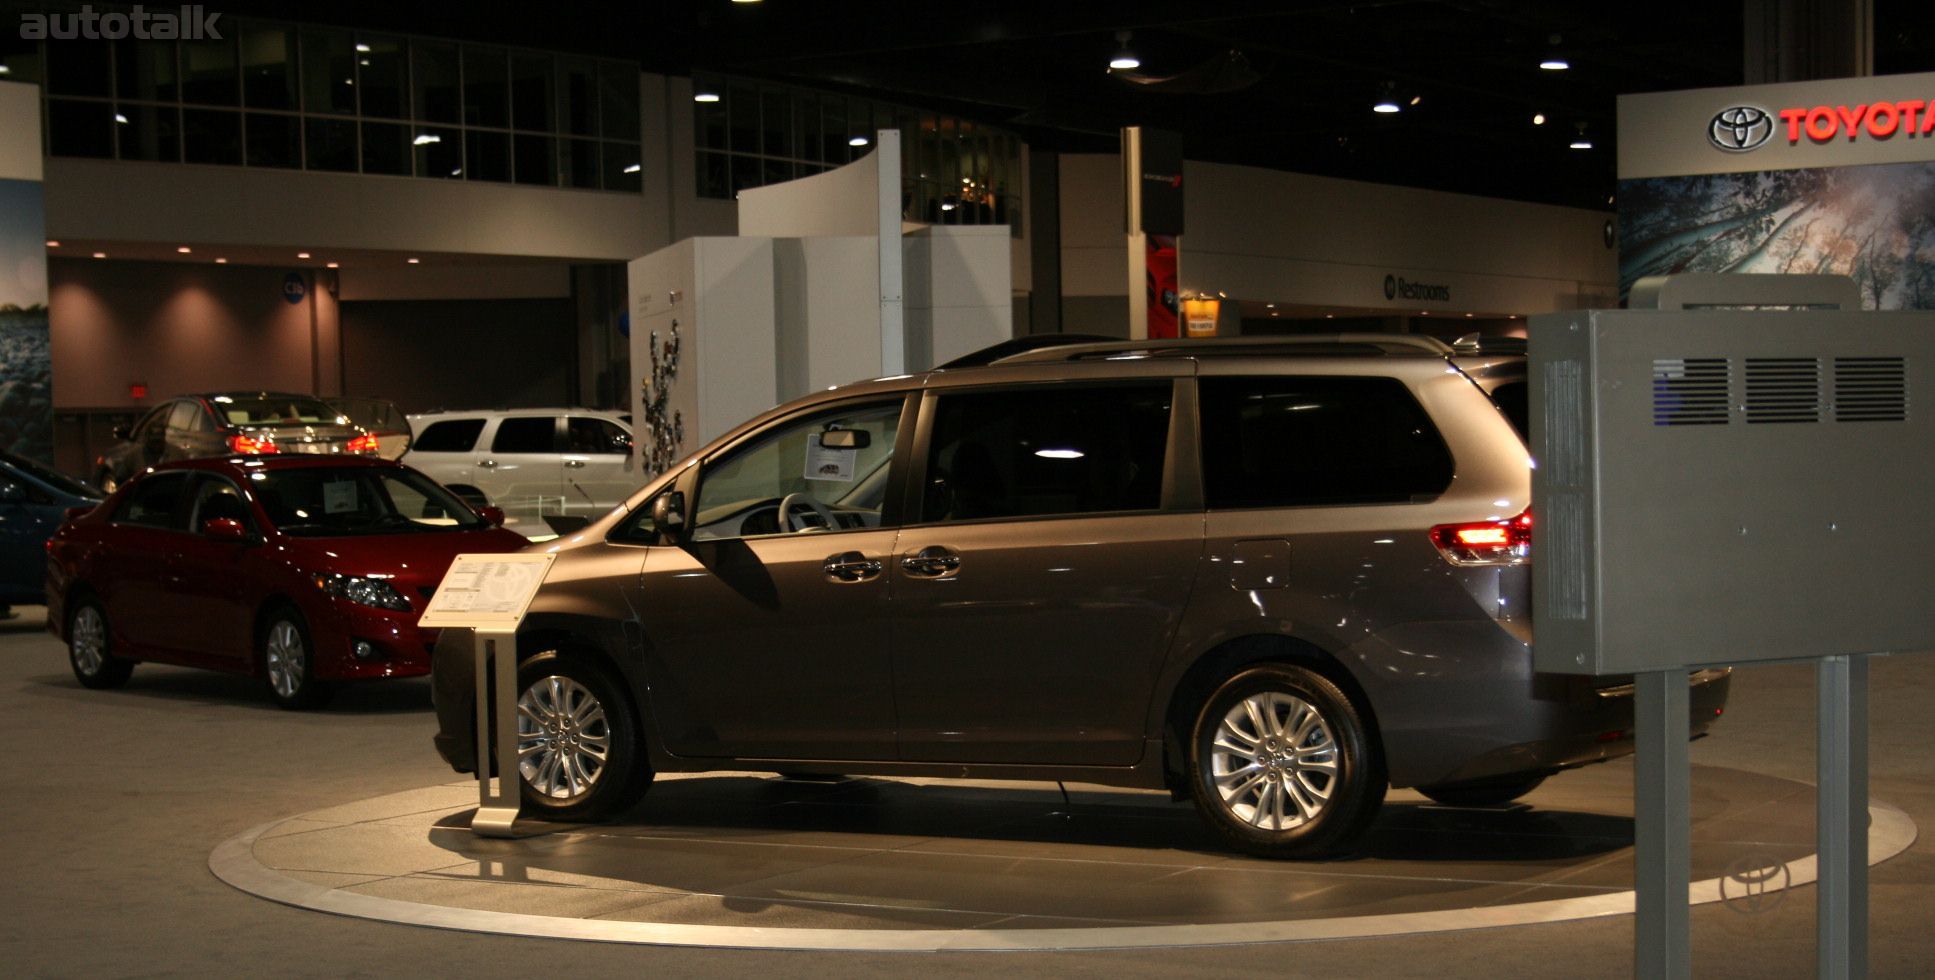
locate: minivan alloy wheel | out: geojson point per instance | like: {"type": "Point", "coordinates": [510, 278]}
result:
{"type": "Point", "coordinates": [563, 737]}
{"type": "Point", "coordinates": [1274, 761]}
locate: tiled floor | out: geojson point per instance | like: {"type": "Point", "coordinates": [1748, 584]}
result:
{"type": "Point", "coordinates": [754, 850]}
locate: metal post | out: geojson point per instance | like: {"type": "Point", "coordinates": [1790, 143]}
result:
{"type": "Point", "coordinates": [496, 652]}
{"type": "Point", "coordinates": [893, 316]}
{"type": "Point", "coordinates": [1662, 849]}
{"type": "Point", "coordinates": [1841, 760]}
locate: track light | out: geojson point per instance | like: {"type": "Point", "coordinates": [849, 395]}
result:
{"type": "Point", "coordinates": [1125, 59]}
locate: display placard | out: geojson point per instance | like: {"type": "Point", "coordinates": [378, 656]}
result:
{"type": "Point", "coordinates": [486, 591]}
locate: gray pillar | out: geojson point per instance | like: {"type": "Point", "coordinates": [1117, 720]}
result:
{"type": "Point", "coordinates": [1841, 761]}
{"type": "Point", "coordinates": [1662, 818]}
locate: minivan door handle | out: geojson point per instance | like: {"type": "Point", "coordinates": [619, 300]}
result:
{"type": "Point", "coordinates": [934, 561]}
{"type": "Point", "coordinates": [851, 566]}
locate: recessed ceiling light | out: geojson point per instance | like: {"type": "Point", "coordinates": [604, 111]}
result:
{"type": "Point", "coordinates": [1538, 119]}
{"type": "Point", "coordinates": [362, 49]}
{"type": "Point", "coordinates": [4, 70]}
{"type": "Point", "coordinates": [1580, 144]}
{"type": "Point", "coordinates": [425, 139]}
{"type": "Point", "coordinates": [332, 265]}
{"type": "Point", "coordinates": [221, 261]}
{"type": "Point", "coordinates": [183, 249]}
{"type": "Point", "coordinates": [302, 255]}
{"type": "Point", "coordinates": [705, 96]}
{"type": "Point", "coordinates": [1386, 106]}
{"type": "Point", "coordinates": [1424, 312]}
{"type": "Point", "coordinates": [1275, 313]}
{"type": "Point", "coordinates": [857, 141]}
{"type": "Point", "coordinates": [415, 261]}
{"type": "Point", "coordinates": [1468, 316]}
{"type": "Point", "coordinates": [100, 255]}
{"type": "Point", "coordinates": [1416, 99]}
{"type": "Point", "coordinates": [634, 168]}
{"type": "Point", "coordinates": [1125, 59]}
{"type": "Point", "coordinates": [52, 244]}
{"type": "Point", "coordinates": [1269, 306]}
{"type": "Point", "coordinates": [1330, 316]}
{"type": "Point", "coordinates": [119, 118]}
{"type": "Point", "coordinates": [1555, 64]}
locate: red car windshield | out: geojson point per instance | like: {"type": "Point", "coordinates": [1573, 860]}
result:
{"type": "Point", "coordinates": [333, 501]}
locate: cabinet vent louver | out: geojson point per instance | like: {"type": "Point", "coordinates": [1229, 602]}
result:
{"type": "Point", "coordinates": [1690, 391]}
{"type": "Point", "coordinates": [1783, 389]}
{"type": "Point", "coordinates": [1871, 389]}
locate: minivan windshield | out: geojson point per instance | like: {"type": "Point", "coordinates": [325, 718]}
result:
{"type": "Point", "coordinates": [326, 501]}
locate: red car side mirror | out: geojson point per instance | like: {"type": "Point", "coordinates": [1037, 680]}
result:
{"type": "Point", "coordinates": [224, 529]}
{"type": "Point", "coordinates": [492, 515]}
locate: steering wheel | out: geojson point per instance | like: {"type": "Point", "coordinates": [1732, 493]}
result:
{"type": "Point", "coordinates": [789, 521]}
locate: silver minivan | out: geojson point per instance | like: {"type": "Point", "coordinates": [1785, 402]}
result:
{"type": "Point", "coordinates": [1272, 576]}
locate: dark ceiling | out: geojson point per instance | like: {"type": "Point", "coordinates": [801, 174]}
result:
{"type": "Point", "coordinates": [1287, 84]}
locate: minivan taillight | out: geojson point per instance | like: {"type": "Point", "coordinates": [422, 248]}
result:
{"type": "Point", "coordinates": [1503, 542]}
{"type": "Point", "coordinates": [245, 444]}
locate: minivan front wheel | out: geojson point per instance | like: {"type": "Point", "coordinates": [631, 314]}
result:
{"type": "Point", "coordinates": [579, 754]}
{"type": "Point", "coordinates": [1281, 764]}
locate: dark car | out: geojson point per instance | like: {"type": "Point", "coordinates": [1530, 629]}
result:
{"type": "Point", "coordinates": [228, 423]}
{"type": "Point", "coordinates": [1274, 576]}
{"type": "Point", "coordinates": [33, 501]}
{"type": "Point", "coordinates": [302, 570]}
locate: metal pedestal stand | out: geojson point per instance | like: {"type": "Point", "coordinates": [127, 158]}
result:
{"type": "Point", "coordinates": [497, 799]}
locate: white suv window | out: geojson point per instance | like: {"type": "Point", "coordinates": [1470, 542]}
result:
{"type": "Point", "coordinates": [448, 436]}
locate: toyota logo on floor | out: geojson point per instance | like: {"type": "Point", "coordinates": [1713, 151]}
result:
{"type": "Point", "coordinates": [1737, 129]}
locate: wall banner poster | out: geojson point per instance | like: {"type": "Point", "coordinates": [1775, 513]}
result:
{"type": "Point", "coordinates": [26, 373]}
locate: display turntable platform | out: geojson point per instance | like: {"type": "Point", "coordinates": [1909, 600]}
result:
{"type": "Point", "coordinates": [753, 860]}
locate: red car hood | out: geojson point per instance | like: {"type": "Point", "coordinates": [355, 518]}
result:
{"type": "Point", "coordinates": [415, 562]}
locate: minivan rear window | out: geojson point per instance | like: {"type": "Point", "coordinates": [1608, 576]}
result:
{"type": "Point", "coordinates": [451, 436]}
{"type": "Point", "coordinates": [1046, 451]}
{"type": "Point", "coordinates": [1290, 441]}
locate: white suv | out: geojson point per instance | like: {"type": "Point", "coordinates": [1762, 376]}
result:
{"type": "Point", "coordinates": [537, 464]}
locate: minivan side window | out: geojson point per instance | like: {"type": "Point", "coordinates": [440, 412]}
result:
{"type": "Point", "coordinates": [797, 462]}
{"type": "Point", "coordinates": [526, 435]}
{"type": "Point", "coordinates": [1048, 451]}
{"type": "Point", "coordinates": [449, 436]}
{"type": "Point", "coordinates": [1288, 442]}
{"type": "Point", "coordinates": [156, 501]}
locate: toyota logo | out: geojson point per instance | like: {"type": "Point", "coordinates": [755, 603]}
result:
{"type": "Point", "coordinates": [1390, 287]}
{"type": "Point", "coordinates": [1740, 128]}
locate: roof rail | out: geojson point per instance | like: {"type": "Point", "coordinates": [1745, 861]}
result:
{"type": "Point", "coordinates": [1332, 344]}
{"type": "Point", "coordinates": [1022, 345]}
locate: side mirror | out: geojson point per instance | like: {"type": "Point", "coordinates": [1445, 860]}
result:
{"type": "Point", "coordinates": [668, 514]}
{"type": "Point", "coordinates": [492, 515]}
{"type": "Point", "coordinates": [122, 433]}
{"type": "Point", "coordinates": [224, 529]}
{"type": "Point", "coordinates": [845, 439]}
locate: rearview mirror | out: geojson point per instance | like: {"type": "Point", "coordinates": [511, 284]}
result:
{"type": "Point", "coordinates": [668, 513]}
{"type": "Point", "coordinates": [844, 439]}
{"type": "Point", "coordinates": [224, 529]}
{"type": "Point", "coordinates": [492, 515]}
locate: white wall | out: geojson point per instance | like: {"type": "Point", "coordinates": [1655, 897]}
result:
{"type": "Point", "coordinates": [959, 295]}
{"type": "Point", "coordinates": [827, 310]}
{"type": "Point", "coordinates": [841, 201]}
{"type": "Point", "coordinates": [1294, 238]}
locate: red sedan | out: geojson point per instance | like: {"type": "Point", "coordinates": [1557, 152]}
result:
{"type": "Point", "coordinates": [301, 570]}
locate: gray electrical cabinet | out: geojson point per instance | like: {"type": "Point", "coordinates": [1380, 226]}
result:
{"type": "Point", "coordinates": [1719, 486]}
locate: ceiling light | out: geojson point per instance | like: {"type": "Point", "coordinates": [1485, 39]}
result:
{"type": "Point", "coordinates": [857, 141]}
{"type": "Point", "coordinates": [221, 261]}
{"type": "Point", "coordinates": [1385, 106]}
{"type": "Point", "coordinates": [4, 70]}
{"type": "Point", "coordinates": [1538, 119]}
{"type": "Point", "coordinates": [302, 255]}
{"type": "Point", "coordinates": [705, 96]}
{"type": "Point", "coordinates": [362, 49]}
{"type": "Point", "coordinates": [1269, 306]}
{"type": "Point", "coordinates": [745, 1]}
{"type": "Point", "coordinates": [183, 249]}
{"type": "Point", "coordinates": [338, 265]}
{"type": "Point", "coordinates": [1416, 99]}
{"type": "Point", "coordinates": [634, 168]}
{"type": "Point", "coordinates": [52, 244]}
{"type": "Point", "coordinates": [414, 261]}
{"type": "Point", "coordinates": [1468, 316]}
{"type": "Point", "coordinates": [425, 139]}
{"type": "Point", "coordinates": [1125, 59]}
{"type": "Point", "coordinates": [458, 172]}
{"type": "Point", "coordinates": [1555, 64]}
{"type": "Point", "coordinates": [1387, 102]}
{"type": "Point", "coordinates": [1329, 316]}
{"type": "Point", "coordinates": [119, 118]}
{"type": "Point", "coordinates": [1581, 142]}
{"type": "Point", "coordinates": [947, 205]}
{"type": "Point", "coordinates": [100, 255]}
{"type": "Point", "coordinates": [1060, 453]}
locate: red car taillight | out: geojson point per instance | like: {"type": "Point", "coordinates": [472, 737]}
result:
{"type": "Point", "coordinates": [1505, 542]}
{"type": "Point", "coordinates": [250, 446]}
{"type": "Point", "coordinates": [364, 443]}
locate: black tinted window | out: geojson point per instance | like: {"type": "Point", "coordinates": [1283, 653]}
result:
{"type": "Point", "coordinates": [1272, 442]}
{"type": "Point", "coordinates": [1033, 453]}
{"type": "Point", "coordinates": [1510, 398]}
{"type": "Point", "coordinates": [156, 501]}
{"type": "Point", "coordinates": [594, 436]}
{"type": "Point", "coordinates": [525, 435]}
{"type": "Point", "coordinates": [454, 436]}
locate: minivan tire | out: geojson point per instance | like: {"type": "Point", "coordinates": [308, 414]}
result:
{"type": "Point", "coordinates": [571, 708]}
{"type": "Point", "coordinates": [1282, 765]}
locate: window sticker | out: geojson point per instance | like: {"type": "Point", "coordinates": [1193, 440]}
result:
{"type": "Point", "coordinates": [834, 465]}
{"type": "Point", "coordinates": [339, 496]}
